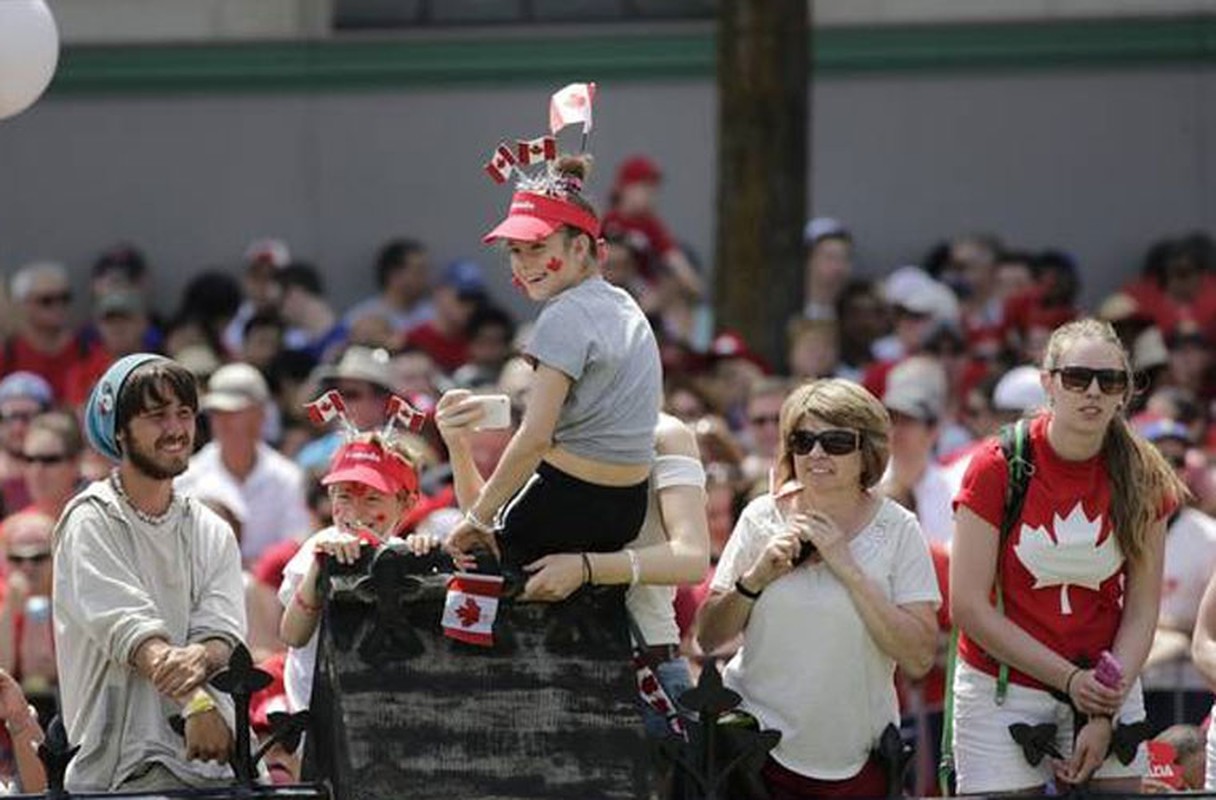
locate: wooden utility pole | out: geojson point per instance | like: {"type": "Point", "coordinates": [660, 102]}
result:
{"type": "Point", "coordinates": [763, 153]}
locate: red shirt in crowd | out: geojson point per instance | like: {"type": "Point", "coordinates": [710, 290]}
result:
{"type": "Point", "coordinates": [448, 352]}
{"type": "Point", "coordinates": [1061, 569]}
{"type": "Point", "coordinates": [19, 356]}
{"type": "Point", "coordinates": [1167, 312]}
{"type": "Point", "coordinates": [84, 374]}
{"type": "Point", "coordinates": [646, 235]}
{"type": "Point", "coordinates": [1027, 311]}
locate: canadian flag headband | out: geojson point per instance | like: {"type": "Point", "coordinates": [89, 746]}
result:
{"type": "Point", "coordinates": [397, 412]}
{"type": "Point", "coordinates": [543, 201]}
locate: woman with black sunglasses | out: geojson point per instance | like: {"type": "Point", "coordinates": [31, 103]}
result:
{"type": "Point", "coordinates": [1068, 599]}
{"type": "Point", "coordinates": [831, 585]}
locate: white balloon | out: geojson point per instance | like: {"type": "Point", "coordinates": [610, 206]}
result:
{"type": "Point", "coordinates": [29, 51]}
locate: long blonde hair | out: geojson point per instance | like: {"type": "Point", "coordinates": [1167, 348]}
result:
{"type": "Point", "coordinates": [1142, 482]}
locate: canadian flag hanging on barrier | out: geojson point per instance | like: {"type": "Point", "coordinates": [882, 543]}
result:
{"type": "Point", "coordinates": [470, 608]}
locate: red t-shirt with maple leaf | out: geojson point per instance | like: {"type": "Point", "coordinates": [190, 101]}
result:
{"type": "Point", "coordinates": [1061, 568]}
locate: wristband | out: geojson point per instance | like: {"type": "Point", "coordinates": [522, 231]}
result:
{"type": "Point", "coordinates": [199, 704]}
{"type": "Point", "coordinates": [472, 519]}
{"type": "Point", "coordinates": [1068, 681]}
{"type": "Point", "coordinates": [635, 568]}
{"type": "Point", "coordinates": [746, 592]}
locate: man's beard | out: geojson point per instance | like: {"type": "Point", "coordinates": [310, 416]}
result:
{"type": "Point", "coordinates": [146, 464]}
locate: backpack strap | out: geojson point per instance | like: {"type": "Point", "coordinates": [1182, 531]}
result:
{"type": "Point", "coordinates": [1019, 457]}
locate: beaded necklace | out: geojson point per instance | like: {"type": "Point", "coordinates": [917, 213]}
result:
{"type": "Point", "coordinates": [151, 519]}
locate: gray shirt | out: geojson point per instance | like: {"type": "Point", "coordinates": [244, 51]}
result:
{"type": "Point", "coordinates": [118, 581]}
{"type": "Point", "coordinates": [596, 334]}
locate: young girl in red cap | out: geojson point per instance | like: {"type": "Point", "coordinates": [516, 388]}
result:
{"type": "Point", "coordinates": [573, 478]}
{"type": "Point", "coordinates": [372, 485]}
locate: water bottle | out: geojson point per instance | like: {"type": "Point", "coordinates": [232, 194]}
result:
{"type": "Point", "coordinates": [36, 655]}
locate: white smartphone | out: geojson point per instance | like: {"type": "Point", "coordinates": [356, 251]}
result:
{"type": "Point", "coordinates": [496, 411]}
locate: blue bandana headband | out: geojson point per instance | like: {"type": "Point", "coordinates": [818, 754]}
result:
{"type": "Point", "coordinates": [102, 409]}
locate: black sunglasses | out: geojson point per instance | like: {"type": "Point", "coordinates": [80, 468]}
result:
{"type": "Point", "coordinates": [1078, 379]}
{"type": "Point", "coordinates": [36, 558]}
{"type": "Point", "coordinates": [835, 441]}
{"type": "Point", "coordinates": [48, 460]}
{"type": "Point", "coordinates": [54, 299]}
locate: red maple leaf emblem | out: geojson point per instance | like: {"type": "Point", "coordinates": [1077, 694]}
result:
{"type": "Point", "coordinates": [576, 101]}
{"type": "Point", "coordinates": [469, 613]}
{"type": "Point", "coordinates": [327, 406]}
{"type": "Point", "coordinates": [649, 685]}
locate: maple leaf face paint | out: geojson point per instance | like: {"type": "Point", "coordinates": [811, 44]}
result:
{"type": "Point", "coordinates": [554, 264]}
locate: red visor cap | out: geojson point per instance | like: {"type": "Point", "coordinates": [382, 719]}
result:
{"type": "Point", "coordinates": [533, 217]}
{"type": "Point", "coordinates": [366, 463]}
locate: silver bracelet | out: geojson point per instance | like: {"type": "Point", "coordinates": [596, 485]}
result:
{"type": "Point", "coordinates": [635, 567]}
{"type": "Point", "coordinates": [472, 519]}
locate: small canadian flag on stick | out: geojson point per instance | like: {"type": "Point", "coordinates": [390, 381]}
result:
{"type": "Point", "coordinates": [399, 411]}
{"type": "Point", "coordinates": [502, 164]}
{"type": "Point", "coordinates": [572, 104]}
{"type": "Point", "coordinates": [470, 608]}
{"type": "Point", "coordinates": [326, 407]}
{"type": "Point", "coordinates": [532, 151]}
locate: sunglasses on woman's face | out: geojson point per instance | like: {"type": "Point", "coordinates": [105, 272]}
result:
{"type": "Point", "coordinates": [34, 558]}
{"type": "Point", "coordinates": [835, 441]}
{"type": "Point", "coordinates": [1078, 379]}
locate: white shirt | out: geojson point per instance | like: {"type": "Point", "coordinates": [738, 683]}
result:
{"type": "Point", "coordinates": [653, 606]}
{"type": "Point", "coordinates": [933, 498]}
{"type": "Point", "coordinates": [301, 662]}
{"type": "Point", "coordinates": [1190, 559]}
{"type": "Point", "coordinates": [808, 666]}
{"type": "Point", "coordinates": [118, 581]}
{"type": "Point", "coordinates": [275, 503]}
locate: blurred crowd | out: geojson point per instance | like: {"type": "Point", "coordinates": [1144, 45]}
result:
{"type": "Point", "coordinates": [950, 345]}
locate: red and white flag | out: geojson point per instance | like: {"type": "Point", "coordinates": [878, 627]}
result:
{"type": "Point", "coordinates": [502, 164]}
{"type": "Point", "coordinates": [571, 105]}
{"type": "Point", "coordinates": [399, 411]}
{"type": "Point", "coordinates": [470, 608]}
{"type": "Point", "coordinates": [533, 151]}
{"type": "Point", "coordinates": [327, 407]}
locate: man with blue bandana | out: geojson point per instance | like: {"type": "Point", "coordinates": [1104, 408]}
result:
{"type": "Point", "coordinates": [147, 596]}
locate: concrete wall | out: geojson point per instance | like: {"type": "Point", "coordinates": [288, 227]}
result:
{"type": "Point", "coordinates": [1097, 162]}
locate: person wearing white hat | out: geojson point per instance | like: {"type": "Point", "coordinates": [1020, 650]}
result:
{"type": "Point", "coordinates": [829, 264]}
{"type": "Point", "coordinates": [271, 487]}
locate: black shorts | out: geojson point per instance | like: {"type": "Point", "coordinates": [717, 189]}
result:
{"type": "Point", "coordinates": [558, 513]}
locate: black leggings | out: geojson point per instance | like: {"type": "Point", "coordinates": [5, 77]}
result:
{"type": "Point", "coordinates": [556, 512]}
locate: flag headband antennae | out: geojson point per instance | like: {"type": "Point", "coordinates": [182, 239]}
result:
{"type": "Point", "coordinates": [398, 411]}
{"type": "Point", "coordinates": [569, 105]}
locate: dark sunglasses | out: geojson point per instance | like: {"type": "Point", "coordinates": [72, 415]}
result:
{"type": "Point", "coordinates": [48, 460]}
{"type": "Point", "coordinates": [55, 299]}
{"type": "Point", "coordinates": [36, 558]}
{"type": "Point", "coordinates": [835, 442]}
{"type": "Point", "coordinates": [1078, 379]}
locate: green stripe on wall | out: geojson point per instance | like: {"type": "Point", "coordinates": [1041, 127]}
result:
{"type": "Point", "coordinates": [380, 64]}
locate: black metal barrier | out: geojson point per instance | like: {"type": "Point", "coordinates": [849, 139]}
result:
{"type": "Point", "coordinates": [548, 710]}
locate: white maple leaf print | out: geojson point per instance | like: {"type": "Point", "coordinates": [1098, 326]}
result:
{"type": "Point", "coordinates": [1072, 557]}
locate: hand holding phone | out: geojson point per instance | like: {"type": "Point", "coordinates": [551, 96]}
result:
{"type": "Point", "coordinates": [496, 411]}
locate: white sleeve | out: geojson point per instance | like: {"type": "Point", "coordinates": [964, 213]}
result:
{"type": "Point", "coordinates": [294, 572]}
{"type": "Point", "coordinates": [745, 545]}
{"type": "Point", "coordinates": [912, 577]}
{"type": "Point", "coordinates": [677, 471]}
{"type": "Point", "coordinates": [220, 609]}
